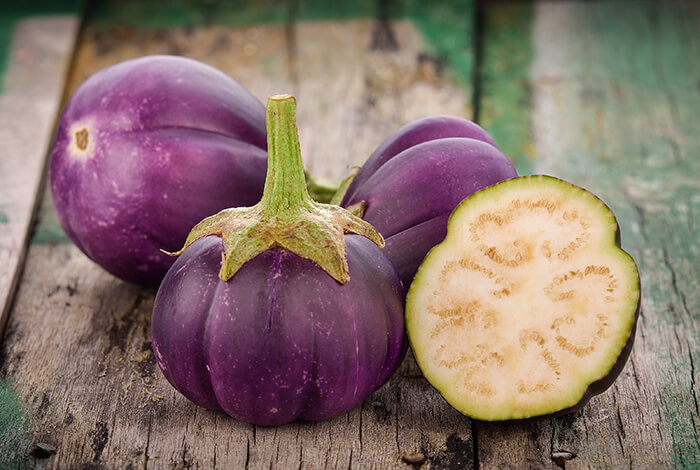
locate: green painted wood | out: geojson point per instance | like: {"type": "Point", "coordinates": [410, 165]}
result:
{"type": "Point", "coordinates": [15, 427]}
{"type": "Point", "coordinates": [504, 81]}
{"type": "Point", "coordinates": [105, 14]}
{"type": "Point", "coordinates": [612, 105]}
{"type": "Point", "coordinates": [448, 29]}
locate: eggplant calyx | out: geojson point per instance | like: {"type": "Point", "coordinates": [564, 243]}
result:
{"type": "Point", "coordinates": [358, 208]}
{"type": "Point", "coordinates": [286, 216]}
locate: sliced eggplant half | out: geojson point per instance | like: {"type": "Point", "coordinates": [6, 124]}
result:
{"type": "Point", "coordinates": [529, 306]}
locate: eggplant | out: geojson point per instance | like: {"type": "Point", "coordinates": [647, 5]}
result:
{"type": "Point", "coordinates": [147, 148]}
{"type": "Point", "coordinates": [411, 183]}
{"type": "Point", "coordinates": [301, 322]}
{"type": "Point", "coordinates": [529, 306]}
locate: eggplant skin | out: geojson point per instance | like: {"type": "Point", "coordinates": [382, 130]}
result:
{"type": "Point", "coordinates": [281, 340]}
{"type": "Point", "coordinates": [167, 141]}
{"type": "Point", "coordinates": [416, 132]}
{"type": "Point", "coordinates": [410, 195]}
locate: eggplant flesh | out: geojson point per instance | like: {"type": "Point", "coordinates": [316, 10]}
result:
{"type": "Point", "coordinates": [529, 306]}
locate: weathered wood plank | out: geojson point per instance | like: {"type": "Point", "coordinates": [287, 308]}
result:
{"type": "Point", "coordinates": [363, 90]}
{"type": "Point", "coordinates": [77, 347]}
{"type": "Point", "coordinates": [613, 107]}
{"type": "Point", "coordinates": [30, 94]}
{"type": "Point", "coordinates": [504, 82]}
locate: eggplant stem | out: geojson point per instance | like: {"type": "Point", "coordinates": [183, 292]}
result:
{"type": "Point", "coordinates": [286, 217]}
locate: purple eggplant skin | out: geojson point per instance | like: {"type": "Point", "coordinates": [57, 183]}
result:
{"type": "Point", "coordinates": [411, 195]}
{"type": "Point", "coordinates": [281, 340]}
{"type": "Point", "coordinates": [147, 148]}
{"type": "Point", "coordinates": [404, 248]}
{"type": "Point", "coordinates": [414, 133]}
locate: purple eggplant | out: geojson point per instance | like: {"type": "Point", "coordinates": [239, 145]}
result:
{"type": "Point", "coordinates": [414, 133]}
{"type": "Point", "coordinates": [301, 322]}
{"type": "Point", "coordinates": [412, 182]}
{"type": "Point", "coordinates": [147, 148]}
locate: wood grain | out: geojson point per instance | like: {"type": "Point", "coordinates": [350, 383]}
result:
{"type": "Point", "coordinates": [364, 91]}
{"type": "Point", "coordinates": [29, 102]}
{"type": "Point", "coordinates": [77, 348]}
{"type": "Point", "coordinates": [610, 108]}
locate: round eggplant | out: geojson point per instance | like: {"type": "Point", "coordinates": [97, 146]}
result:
{"type": "Point", "coordinates": [302, 322]}
{"type": "Point", "coordinates": [413, 181]}
{"type": "Point", "coordinates": [529, 306]}
{"type": "Point", "coordinates": [147, 148]}
{"type": "Point", "coordinates": [282, 340]}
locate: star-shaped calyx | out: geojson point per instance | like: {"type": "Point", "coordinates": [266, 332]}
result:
{"type": "Point", "coordinates": [286, 216]}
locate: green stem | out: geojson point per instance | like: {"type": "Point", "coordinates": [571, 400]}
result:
{"type": "Point", "coordinates": [285, 184]}
{"type": "Point", "coordinates": [286, 217]}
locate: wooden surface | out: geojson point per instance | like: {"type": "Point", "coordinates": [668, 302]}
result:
{"type": "Point", "coordinates": [565, 88]}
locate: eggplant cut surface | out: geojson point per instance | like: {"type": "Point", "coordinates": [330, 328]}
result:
{"type": "Point", "coordinates": [529, 306]}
